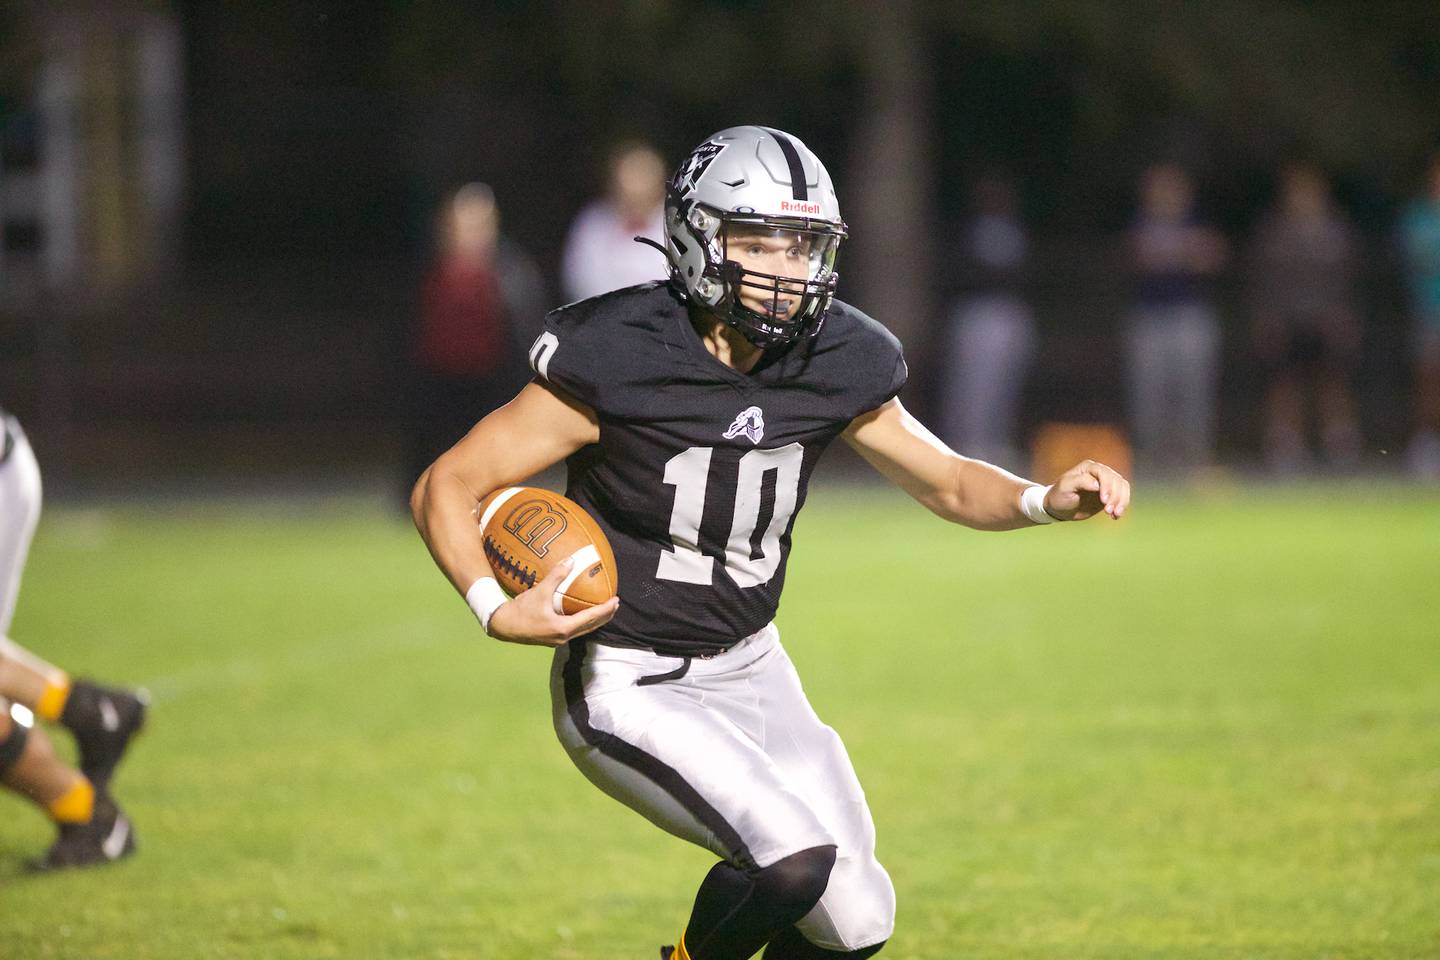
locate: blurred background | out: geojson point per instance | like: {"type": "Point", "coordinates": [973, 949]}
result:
{"type": "Point", "coordinates": [247, 244]}
{"type": "Point", "coordinates": [260, 261]}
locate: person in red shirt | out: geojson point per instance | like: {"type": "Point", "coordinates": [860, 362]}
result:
{"type": "Point", "coordinates": [478, 302]}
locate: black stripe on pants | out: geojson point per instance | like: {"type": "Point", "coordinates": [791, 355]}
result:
{"type": "Point", "coordinates": [662, 774]}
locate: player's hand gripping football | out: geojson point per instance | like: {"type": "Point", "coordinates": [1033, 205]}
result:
{"type": "Point", "coordinates": [530, 617]}
{"type": "Point", "coordinates": [1085, 490]}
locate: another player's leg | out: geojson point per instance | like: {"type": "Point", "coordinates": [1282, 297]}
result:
{"type": "Point", "coordinates": [20, 495]}
{"type": "Point", "coordinates": [103, 719]}
{"type": "Point", "coordinates": [92, 828]}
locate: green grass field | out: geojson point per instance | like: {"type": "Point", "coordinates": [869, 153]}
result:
{"type": "Point", "coordinates": [1209, 730]}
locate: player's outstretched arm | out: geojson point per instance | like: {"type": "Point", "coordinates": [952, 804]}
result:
{"type": "Point", "coordinates": [972, 492]}
{"type": "Point", "coordinates": [537, 429]}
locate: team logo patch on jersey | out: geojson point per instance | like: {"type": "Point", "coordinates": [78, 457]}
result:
{"type": "Point", "coordinates": [750, 422]}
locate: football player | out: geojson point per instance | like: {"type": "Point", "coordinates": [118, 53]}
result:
{"type": "Point", "coordinates": [92, 827]}
{"type": "Point", "coordinates": [691, 414]}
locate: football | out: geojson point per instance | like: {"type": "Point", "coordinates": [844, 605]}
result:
{"type": "Point", "coordinates": [526, 531]}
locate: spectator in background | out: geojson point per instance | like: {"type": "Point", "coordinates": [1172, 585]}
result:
{"type": "Point", "coordinates": [1172, 336]}
{"type": "Point", "coordinates": [1303, 263]}
{"type": "Point", "coordinates": [481, 303]}
{"type": "Point", "coordinates": [992, 329]}
{"type": "Point", "coordinates": [600, 252]}
{"type": "Point", "coordinates": [1420, 233]}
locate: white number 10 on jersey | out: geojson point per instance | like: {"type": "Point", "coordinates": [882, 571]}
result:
{"type": "Point", "coordinates": [689, 473]}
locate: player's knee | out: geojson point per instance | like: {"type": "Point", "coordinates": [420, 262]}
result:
{"type": "Point", "coordinates": [873, 920]}
{"type": "Point", "coordinates": [795, 884]}
{"type": "Point", "coordinates": [859, 907]}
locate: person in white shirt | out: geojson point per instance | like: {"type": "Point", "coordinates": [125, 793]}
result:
{"type": "Point", "coordinates": [600, 252]}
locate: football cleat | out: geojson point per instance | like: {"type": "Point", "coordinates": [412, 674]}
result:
{"type": "Point", "coordinates": [103, 719]}
{"type": "Point", "coordinates": [106, 837]}
{"type": "Point", "coordinates": [666, 953]}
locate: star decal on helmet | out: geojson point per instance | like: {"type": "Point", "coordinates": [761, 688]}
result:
{"type": "Point", "coordinates": [695, 165]}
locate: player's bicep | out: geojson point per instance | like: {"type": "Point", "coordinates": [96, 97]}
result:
{"type": "Point", "coordinates": [538, 428]}
{"type": "Point", "coordinates": [905, 452]}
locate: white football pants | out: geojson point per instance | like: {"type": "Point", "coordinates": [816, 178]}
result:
{"type": "Point", "coordinates": [731, 757]}
{"type": "Point", "coordinates": [19, 513]}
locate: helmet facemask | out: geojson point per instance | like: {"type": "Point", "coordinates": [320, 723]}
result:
{"type": "Point", "coordinates": [727, 284]}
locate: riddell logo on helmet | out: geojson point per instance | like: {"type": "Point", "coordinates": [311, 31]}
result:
{"type": "Point", "coordinates": [795, 206]}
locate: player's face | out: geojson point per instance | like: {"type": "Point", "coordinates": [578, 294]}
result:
{"type": "Point", "coordinates": [782, 253]}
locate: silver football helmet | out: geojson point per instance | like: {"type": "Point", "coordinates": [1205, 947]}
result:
{"type": "Point", "coordinates": [760, 178]}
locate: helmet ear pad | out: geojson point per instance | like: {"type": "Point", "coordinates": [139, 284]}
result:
{"type": "Point", "coordinates": [695, 250]}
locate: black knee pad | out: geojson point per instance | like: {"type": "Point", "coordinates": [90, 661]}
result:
{"type": "Point", "coordinates": [12, 745]}
{"type": "Point", "coordinates": [797, 882]}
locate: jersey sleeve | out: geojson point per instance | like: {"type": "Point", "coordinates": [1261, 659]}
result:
{"type": "Point", "coordinates": [607, 351]}
{"type": "Point", "coordinates": [886, 366]}
{"type": "Point", "coordinates": [566, 355]}
{"type": "Point", "coordinates": [899, 373]}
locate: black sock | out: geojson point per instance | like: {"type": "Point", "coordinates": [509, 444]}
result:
{"type": "Point", "coordinates": [790, 944]}
{"type": "Point", "coordinates": [737, 912]}
{"type": "Point", "coordinates": [12, 744]}
{"type": "Point", "coordinates": [82, 707]}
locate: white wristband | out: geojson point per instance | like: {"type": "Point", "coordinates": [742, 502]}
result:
{"type": "Point", "coordinates": [1032, 504]}
{"type": "Point", "coordinates": [484, 598]}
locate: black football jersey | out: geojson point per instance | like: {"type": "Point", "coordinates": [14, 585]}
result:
{"type": "Point", "coordinates": [700, 469]}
